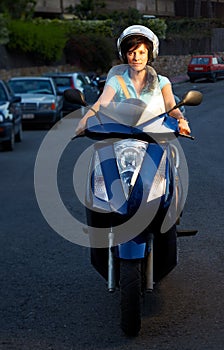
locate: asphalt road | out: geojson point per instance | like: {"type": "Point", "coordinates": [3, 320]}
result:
{"type": "Point", "coordinates": [50, 296]}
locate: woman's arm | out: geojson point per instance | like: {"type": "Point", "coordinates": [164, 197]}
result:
{"type": "Point", "coordinates": [105, 98]}
{"type": "Point", "coordinates": [169, 101]}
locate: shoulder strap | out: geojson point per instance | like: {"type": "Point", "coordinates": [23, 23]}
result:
{"type": "Point", "coordinates": [123, 86]}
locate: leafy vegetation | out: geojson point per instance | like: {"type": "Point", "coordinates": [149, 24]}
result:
{"type": "Point", "coordinates": [96, 55]}
{"type": "Point", "coordinates": [190, 28]}
{"type": "Point", "coordinates": [45, 40]}
{"type": "Point", "coordinates": [4, 32]}
{"type": "Point", "coordinates": [89, 38]}
{"type": "Point", "coordinates": [88, 9]}
{"type": "Point", "coordinates": [18, 9]}
{"type": "Point", "coordinates": [99, 27]}
{"type": "Point", "coordinates": [48, 40]}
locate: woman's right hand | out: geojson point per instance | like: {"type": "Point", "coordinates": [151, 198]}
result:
{"type": "Point", "coordinates": [80, 127]}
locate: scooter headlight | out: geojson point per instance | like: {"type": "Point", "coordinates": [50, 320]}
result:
{"type": "Point", "coordinates": [129, 156]}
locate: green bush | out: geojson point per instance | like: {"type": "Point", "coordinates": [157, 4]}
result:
{"type": "Point", "coordinates": [44, 39]}
{"type": "Point", "coordinates": [190, 28]}
{"type": "Point", "coordinates": [103, 28]}
{"type": "Point", "coordinates": [91, 52]}
{"type": "Point", "coordinates": [157, 25]}
{"type": "Point", "coordinates": [18, 9]}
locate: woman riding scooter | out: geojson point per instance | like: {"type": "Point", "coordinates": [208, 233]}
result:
{"type": "Point", "coordinates": [138, 46]}
{"type": "Point", "coordinates": [133, 192]}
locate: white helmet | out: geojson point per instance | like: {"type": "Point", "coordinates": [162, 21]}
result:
{"type": "Point", "coordinates": [139, 30]}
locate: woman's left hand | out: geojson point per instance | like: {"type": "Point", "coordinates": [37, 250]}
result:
{"type": "Point", "coordinates": [183, 126]}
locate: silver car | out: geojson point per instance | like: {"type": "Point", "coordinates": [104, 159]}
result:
{"type": "Point", "coordinates": [40, 101]}
{"type": "Point", "coordinates": [75, 80]}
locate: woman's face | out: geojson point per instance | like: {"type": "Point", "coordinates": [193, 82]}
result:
{"type": "Point", "coordinates": [138, 57]}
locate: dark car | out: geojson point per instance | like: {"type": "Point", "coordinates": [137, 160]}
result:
{"type": "Point", "coordinates": [205, 66]}
{"type": "Point", "coordinates": [40, 101]}
{"type": "Point", "coordinates": [75, 80]}
{"type": "Point", "coordinates": [10, 117]}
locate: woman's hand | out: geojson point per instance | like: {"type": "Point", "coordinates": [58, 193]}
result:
{"type": "Point", "coordinates": [82, 123]}
{"type": "Point", "coordinates": [80, 127]}
{"type": "Point", "coordinates": [183, 126]}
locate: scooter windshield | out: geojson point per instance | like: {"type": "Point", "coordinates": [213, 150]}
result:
{"type": "Point", "coordinates": [119, 79]}
{"type": "Point", "coordinates": [122, 121]}
{"type": "Point", "coordinates": [135, 114]}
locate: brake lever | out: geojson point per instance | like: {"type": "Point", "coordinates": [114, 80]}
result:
{"type": "Point", "coordinates": [187, 136]}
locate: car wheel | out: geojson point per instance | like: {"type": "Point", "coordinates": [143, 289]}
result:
{"type": "Point", "coordinates": [213, 77]}
{"type": "Point", "coordinates": [60, 116]}
{"type": "Point", "coordinates": [19, 135]}
{"type": "Point", "coordinates": [9, 144]}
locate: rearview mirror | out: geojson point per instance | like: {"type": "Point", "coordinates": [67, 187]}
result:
{"type": "Point", "coordinates": [15, 99]}
{"type": "Point", "coordinates": [75, 96]}
{"type": "Point", "coordinates": [191, 98]}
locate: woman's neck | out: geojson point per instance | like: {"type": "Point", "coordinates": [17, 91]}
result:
{"type": "Point", "coordinates": [138, 75]}
{"type": "Point", "coordinates": [138, 79]}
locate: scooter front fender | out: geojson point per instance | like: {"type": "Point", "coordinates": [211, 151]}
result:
{"type": "Point", "coordinates": [131, 250]}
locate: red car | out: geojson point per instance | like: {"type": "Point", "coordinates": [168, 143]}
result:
{"type": "Point", "coordinates": [205, 66]}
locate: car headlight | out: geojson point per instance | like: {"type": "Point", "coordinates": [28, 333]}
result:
{"type": "Point", "coordinates": [47, 106]}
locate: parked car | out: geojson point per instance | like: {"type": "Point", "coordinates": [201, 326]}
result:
{"type": "Point", "coordinates": [10, 117]}
{"type": "Point", "coordinates": [205, 66]}
{"type": "Point", "coordinates": [75, 80]}
{"type": "Point", "coordinates": [40, 101]}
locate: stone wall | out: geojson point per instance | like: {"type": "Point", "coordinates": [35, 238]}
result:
{"type": "Point", "coordinates": [172, 66]}
{"type": "Point", "coordinates": [169, 66]}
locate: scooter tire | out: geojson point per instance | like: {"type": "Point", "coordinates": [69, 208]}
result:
{"type": "Point", "coordinates": [130, 289]}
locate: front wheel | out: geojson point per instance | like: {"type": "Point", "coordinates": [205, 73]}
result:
{"type": "Point", "coordinates": [10, 143]}
{"type": "Point", "coordinates": [19, 135]}
{"type": "Point", "coordinates": [130, 288]}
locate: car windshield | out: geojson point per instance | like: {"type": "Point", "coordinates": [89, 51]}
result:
{"type": "Point", "coordinates": [2, 94]}
{"type": "Point", "coordinates": [62, 81]}
{"type": "Point", "coordinates": [31, 86]}
{"type": "Point", "coordinates": [200, 60]}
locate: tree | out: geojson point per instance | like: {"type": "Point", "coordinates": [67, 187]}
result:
{"type": "Point", "coordinates": [19, 8]}
{"type": "Point", "coordinates": [209, 9]}
{"type": "Point", "coordinates": [4, 33]}
{"type": "Point", "coordinates": [197, 8]}
{"type": "Point", "coordinates": [88, 9]}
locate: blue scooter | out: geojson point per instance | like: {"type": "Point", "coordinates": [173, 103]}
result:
{"type": "Point", "coordinates": [133, 198]}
